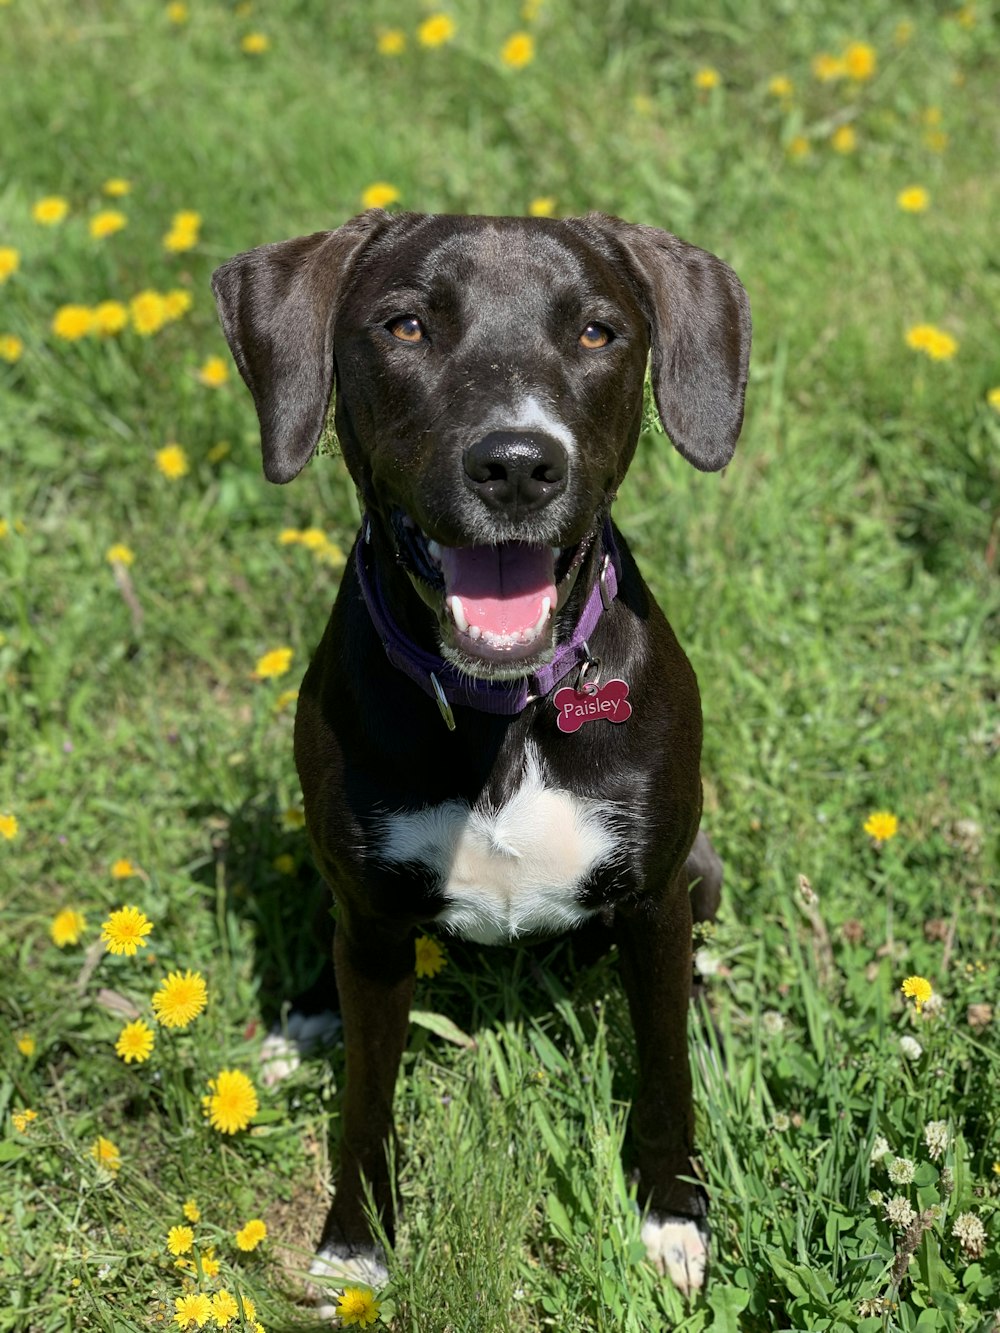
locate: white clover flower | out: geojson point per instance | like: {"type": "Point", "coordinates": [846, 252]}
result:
{"type": "Point", "coordinates": [910, 1048]}
{"type": "Point", "coordinates": [706, 963]}
{"type": "Point", "coordinates": [899, 1212]}
{"type": "Point", "coordinates": [772, 1022]}
{"type": "Point", "coordinates": [901, 1171]}
{"type": "Point", "coordinates": [781, 1122]}
{"type": "Point", "coordinates": [937, 1138]}
{"type": "Point", "coordinates": [970, 1234]}
{"type": "Point", "coordinates": [880, 1149]}
{"type": "Point", "coordinates": [932, 1008]}
{"type": "Point", "coordinates": [876, 1198]}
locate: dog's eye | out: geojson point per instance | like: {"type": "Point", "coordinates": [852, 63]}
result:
{"type": "Point", "coordinates": [594, 336]}
{"type": "Point", "coordinates": [407, 329]}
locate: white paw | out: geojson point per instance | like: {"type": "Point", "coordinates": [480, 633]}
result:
{"type": "Point", "coordinates": [344, 1268]}
{"type": "Point", "coordinates": [678, 1248]}
{"type": "Point", "coordinates": [283, 1048]}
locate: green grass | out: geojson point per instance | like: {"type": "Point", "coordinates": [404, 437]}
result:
{"type": "Point", "coordinates": [835, 589]}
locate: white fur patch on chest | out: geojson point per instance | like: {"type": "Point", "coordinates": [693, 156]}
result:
{"type": "Point", "coordinates": [511, 870]}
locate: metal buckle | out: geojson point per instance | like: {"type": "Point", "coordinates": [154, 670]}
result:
{"type": "Point", "coordinates": [441, 699]}
{"type": "Point", "coordinates": [603, 582]}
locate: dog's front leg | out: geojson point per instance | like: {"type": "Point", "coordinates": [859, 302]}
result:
{"type": "Point", "coordinates": [654, 944]}
{"type": "Point", "coordinates": [375, 974]}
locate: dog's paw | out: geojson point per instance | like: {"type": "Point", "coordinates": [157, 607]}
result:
{"type": "Point", "coordinates": [283, 1047]}
{"type": "Point", "coordinates": [678, 1249]}
{"type": "Point", "coordinates": [335, 1268]}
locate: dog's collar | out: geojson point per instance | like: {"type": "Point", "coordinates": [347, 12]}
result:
{"type": "Point", "coordinates": [445, 683]}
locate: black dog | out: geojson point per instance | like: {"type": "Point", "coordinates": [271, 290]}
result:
{"type": "Point", "coordinates": [499, 731]}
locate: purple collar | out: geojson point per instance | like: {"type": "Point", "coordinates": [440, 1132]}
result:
{"type": "Point", "coordinates": [445, 684]}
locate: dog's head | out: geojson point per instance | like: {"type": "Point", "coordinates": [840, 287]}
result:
{"type": "Point", "coordinates": [489, 385]}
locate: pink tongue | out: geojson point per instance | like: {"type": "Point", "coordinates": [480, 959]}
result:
{"type": "Point", "coordinates": [501, 588]}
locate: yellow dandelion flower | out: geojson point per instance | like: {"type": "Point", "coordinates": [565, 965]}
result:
{"type": "Point", "coordinates": [931, 116]}
{"type": "Point", "coordinates": [844, 139]}
{"type": "Point", "coordinates": [123, 868]}
{"type": "Point", "coordinates": [120, 554]}
{"type": "Point", "coordinates": [707, 77]}
{"type": "Point", "coordinates": [106, 223]}
{"type": "Point", "coordinates": [22, 1119]}
{"type": "Point", "coordinates": [379, 195]}
{"type": "Point", "coordinates": [178, 12]}
{"type": "Point", "coordinates": [826, 68]}
{"type": "Point", "coordinates": [430, 957]}
{"type": "Point", "coordinates": [110, 317]}
{"type": "Point", "coordinates": [285, 698]}
{"type": "Point", "coordinates": [135, 1042]}
{"type": "Point", "coordinates": [903, 32]}
{"type": "Point", "coordinates": [179, 239]}
{"type": "Point", "coordinates": [250, 1236]}
{"type": "Point", "coordinates": [72, 322]}
{"type": "Point", "coordinates": [643, 104]}
{"type": "Point", "coordinates": [293, 818]}
{"type": "Point", "coordinates": [289, 536]}
{"type": "Point", "coordinates": [255, 43]}
{"type": "Point", "coordinates": [993, 398]}
{"type": "Point", "coordinates": [219, 451]}
{"type": "Point", "coordinates": [50, 211]}
{"type": "Point", "coordinates": [965, 16]}
{"type": "Point", "coordinates": [180, 999]}
{"type": "Point", "coordinates": [26, 1044]}
{"type": "Point", "coordinates": [180, 1240]}
{"type": "Point", "coordinates": [148, 312]}
{"type": "Point", "coordinates": [284, 864]}
{"type": "Point", "coordinates": [780, 86]}
{"type": "Point", "coordinates": [936, 140]}
{"type": "Point", "coordinates": [232, 1102]}
{"type": "Point", "coordinates": [542, 207]}
{"type": "Point", "coordinates": [860, 61]}
{"type": "Point", "coordinates": [105, 1153]}
{"type": "Point", "coordinates": [436, 30]}
{"type": "Point", "coordinates": [195, 1309]}
{"type": "Point", "coordinates": [917, 989]}
{"type": "Point", "coordinates": [8, 827]}
{"type": "Point", "coordinates": [391, 42]}
{"type": "Point", "coordinates": [67, 927]}
{"type": "Point", "coordinates": [191, 1210]}
{"type": "Point", "coordinates": [914, 199]}
{"type": "Point", "coordinates": [177, 303]}
{"type": "Point", "coordinates": [797, 146]}
{"type": "Point", "coordinates": [518, 50]}
{"type": "Point", "coordinates": [209, 1264]}
{"type": "Point", "coordinates": [272, 664]}
{"type": "Point", "coordinates": [187, 219]}
{"type": "Point", "coordinates": [214, 372]}
{"type": "Point", "coordinates": [881, 825]}
{"type": "Point", "coordinates": [932, 341]}
{"type": "Point", "coordinates": [10, 261]}
{"type": "Point", "coordinates": [357, 1306]}
{"type": "Point", "coordinates": [530, 10]}
{"type": "Point", "coordinates": [11, 348]}
{"type": "Point", "coordinates": [116, 187]}
{"type": "Point", "coordinates": [249, 1309]}
{"type": "Point", "coordinates": [125, 931]}
{"type": "Point", "coordinates": [314, 539]}
{"type": "Point", "coordinates": [172, 461]}
{"type": "Point", "coordinates": [224, 1307]}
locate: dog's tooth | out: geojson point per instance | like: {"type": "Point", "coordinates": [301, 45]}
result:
{"type": "Point", "coordinates": [456, 610]}
{"type": "Point", "coordinates": [540, 622]}
{"type": "Point", "coordinates": [475, 633]}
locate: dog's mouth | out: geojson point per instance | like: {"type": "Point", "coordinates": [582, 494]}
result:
{"type": "Point", "coordinates": [496, 605]}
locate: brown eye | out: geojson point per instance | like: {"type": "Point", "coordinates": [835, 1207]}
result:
{"type": "Point", "coordinates": [594, 336]}
{"type": "Point", "coordinates": [408, 329]}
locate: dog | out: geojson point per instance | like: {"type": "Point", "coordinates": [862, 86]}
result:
{"type": "Point", "coordinates": [499, 732]}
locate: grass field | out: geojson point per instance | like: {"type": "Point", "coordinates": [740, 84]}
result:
{"type": "Point", "coordinates": [836, 590]}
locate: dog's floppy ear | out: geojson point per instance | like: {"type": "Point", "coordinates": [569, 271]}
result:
{"type": "Point", "coordinates": [699, 318]}
{"type": "Point", "coordinates": [277, 305]}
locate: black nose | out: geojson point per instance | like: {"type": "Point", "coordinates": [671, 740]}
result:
{"type": "Point", "coordinates": [516, 472]}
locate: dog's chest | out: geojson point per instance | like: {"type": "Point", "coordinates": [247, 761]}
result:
{"type": "Point", "coordinates": [510, 870]}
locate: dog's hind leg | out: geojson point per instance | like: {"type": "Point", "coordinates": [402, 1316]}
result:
{"type": "Point", "coordinates": [704, 873]}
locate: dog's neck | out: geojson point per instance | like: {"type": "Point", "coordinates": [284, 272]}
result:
{"type": "Point", "coordinates": [444, 682]}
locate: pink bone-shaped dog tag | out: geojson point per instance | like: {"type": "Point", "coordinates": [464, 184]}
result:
{"type": "Point", "coordinates": [594, 703]}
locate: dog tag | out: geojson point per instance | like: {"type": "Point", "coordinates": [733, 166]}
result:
{"type": "Point", "coordinates": [593, 703]}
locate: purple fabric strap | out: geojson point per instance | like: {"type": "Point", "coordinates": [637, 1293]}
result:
{"type": "Point", "coordinates": [506, 698]}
